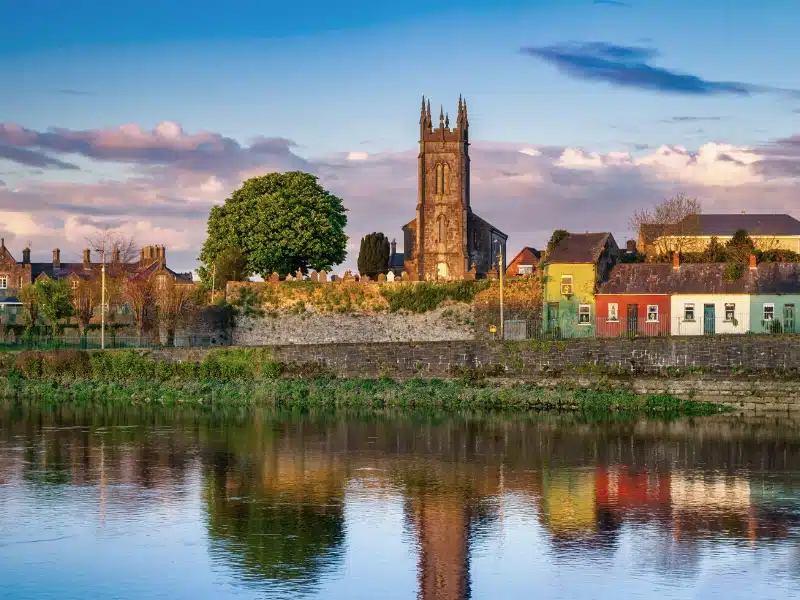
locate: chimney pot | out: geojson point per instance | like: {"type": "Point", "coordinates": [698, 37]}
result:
{"type": "Point", "coordinates": [56, 257]}
{"type": "Point", "coordinates": [86, 256]}
{"type": "Point", "coordinates": [676, 260]}
{"type": "Point", "coordinates": [26, 256]}
{"type": "Point", "coordinates": [115, 255]}
{"type": "Point", "coordinates": [753, 263]}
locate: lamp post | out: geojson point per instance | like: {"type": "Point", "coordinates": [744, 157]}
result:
{"type": "Point", "coordinates": [500, 270]}
{"type": "Point", "coordinates": [103, 299]}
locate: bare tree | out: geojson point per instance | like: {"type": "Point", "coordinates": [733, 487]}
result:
{"type": "Point", "coordinates": [172, 303]}
{"type": "Point", "coordinates": [138, 293]}
{"type": "Point", "coordinates": [114, 246]}
{"type": "Point", "coordinates": [85, 298]}
{"type": "Point", "coordinates": [29, 297]}
{"type": "Point", "coordinates": [673, 224]}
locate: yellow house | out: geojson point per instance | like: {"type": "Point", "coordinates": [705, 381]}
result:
{"type": "Point", "coordinates": [572, 271]}
{"type": "Point", "coordinates": [693, 234]}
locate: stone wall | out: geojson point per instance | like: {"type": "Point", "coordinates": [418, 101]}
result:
{"type": "Point", "coordinates": [452, 322]}
{"type": "Point", "coordinates": [748, 372]}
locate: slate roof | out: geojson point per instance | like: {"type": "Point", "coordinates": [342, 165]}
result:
{"type": "Point", "coordinates": [728, 224]}
{"type": "Point", "coordinates": [701, 278]}
{"type": "Point", "coordinates": [397, 260]}
{"type": "Point", "coordinates": [93, 270]}
{"type": "Point", "coordinates": [579, 248]}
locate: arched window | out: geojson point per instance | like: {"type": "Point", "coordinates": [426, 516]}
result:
{"type": "Point", "coordinates": [439, 179]}
{"type": "Point", "coordinates": [446, 178]}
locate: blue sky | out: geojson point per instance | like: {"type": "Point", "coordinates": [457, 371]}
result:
{"type": "Point", "coordinates": [348, 78]}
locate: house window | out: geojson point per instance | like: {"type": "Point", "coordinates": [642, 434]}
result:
{"type": "Point", "coordinates": [613, 312]}
{"type": "Point", "coordinates": [74, 284]}
{"type": "Point", "coordinates": [688, 312]}
{"type": "Point", "coordinates": [584, 314]}
{"type": "Point", "coordinates": [730, 312]}
{"type": "Point", "coordinates": [769, 312]}
{"type": "Point", "coordinates": [652, 313]}
{"type": "Point", "coordinates": [525, 269]}
{"type": "Point", "coordinates": [566, 285]}
{"type": "Point", "coordinates": [3, 282]}
{"type": "Point", "coordinates": [162, 282]}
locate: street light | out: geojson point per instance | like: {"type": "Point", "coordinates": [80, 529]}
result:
{"type": "Point", "coordinates": [500, 272]}
{"type": "Point", "coordinates": [103, 299]}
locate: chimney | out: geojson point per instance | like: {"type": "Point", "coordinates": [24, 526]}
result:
{"type": "Point", "coordinates": [86, 257]}
{"type": "Point", "coordinates": [676, 260]}
{"type": "Point", "coordinates": [115, 255]}
{"type": "Point", "coordinates": [630, 246]}
{"type": "Point", "coordinates": [2, 242]}
{"type": "Point", "coordinates": [56, 258]}
{"type": "Point", "coordinates": [162, 254]}
{"type": "Point", "coordinates": [26, 256]}
{"type": "Point", "coordinates": [753, 264]}
{"type": "Point", "coordinates": [394, 247]}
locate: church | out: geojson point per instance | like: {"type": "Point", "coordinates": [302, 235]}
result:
{"type": "Point", "coordinates": [446, 240]}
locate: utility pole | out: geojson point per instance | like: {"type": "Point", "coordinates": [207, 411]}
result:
{"type": "Point", "coordinates": [500, 269]}
{"type": "Point", "coordinates": [103, 299]}
{"type": "Point", "coordinates": [213, 281]}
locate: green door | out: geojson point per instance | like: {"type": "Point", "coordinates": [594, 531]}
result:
{"type": "Point", "coordinates": [709, 320]}
{"type": "Point", "coordinates": [788, 318]}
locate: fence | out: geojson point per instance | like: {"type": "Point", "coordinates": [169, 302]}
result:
{"type": "Point", "coordinates": [46, 342]}
{"type": "Point", "coordinates": [704, 323]}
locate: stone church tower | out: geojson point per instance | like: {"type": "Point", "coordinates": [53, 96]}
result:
{"type": "Point", "coordinates": [445, 239]}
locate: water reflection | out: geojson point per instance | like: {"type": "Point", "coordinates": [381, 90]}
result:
{"type": "Point", "coordinates": [279, 498]}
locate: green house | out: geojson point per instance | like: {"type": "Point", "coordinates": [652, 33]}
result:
{"type": "Point", "coordinates": [774, 298]}
{"type": "Point", "coordinates": [573, 270]}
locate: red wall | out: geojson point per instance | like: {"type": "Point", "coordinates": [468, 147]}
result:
{"type": "Point", "coordinates": [607, 328]}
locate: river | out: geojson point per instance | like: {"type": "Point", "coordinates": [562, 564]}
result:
{"type": "Point", "coordinates": [142, 503]}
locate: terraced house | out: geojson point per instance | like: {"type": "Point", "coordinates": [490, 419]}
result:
{"type": "Point", "coordinates": [699, 299]}
{"type": "Point", "coordinates": [152, 266]}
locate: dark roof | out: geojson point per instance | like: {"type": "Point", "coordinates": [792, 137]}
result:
{"type": "Point", "coordinates": [701, 278]}
{"type": "Point", "coordinates": [64, 270]}
{"type": "Point", "coordinates": [10, 300]}
{"type": "Point", "coordinates": [484, 222]}
{"type": "Point", "coordinates": [397, 260]}
{"type": "Point", "coordinates": [93, 270]}
{"type": "Point", "coordinates": [728, 224]}
{"type": "Point", "coordinates": [579, 248]}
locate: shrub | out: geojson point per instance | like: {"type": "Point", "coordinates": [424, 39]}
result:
{"type": "Point", "coordinates": [423, 297]}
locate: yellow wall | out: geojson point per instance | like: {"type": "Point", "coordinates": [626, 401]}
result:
{"type": "Point", "coordinates": [699, 243]}
{"type": "Point", "coordinates": [583, 282]}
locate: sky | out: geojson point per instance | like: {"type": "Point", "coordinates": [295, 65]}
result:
{"type": "Point", "coordinates": [142, 116]}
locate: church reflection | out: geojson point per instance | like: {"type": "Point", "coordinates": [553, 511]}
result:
{"type": "Point", "coordinates": [275, 488]}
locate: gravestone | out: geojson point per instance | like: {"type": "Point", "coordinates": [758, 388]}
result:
{"type": "Point", "coordinates": [404, 276]}
{"type": "Point", "coordinates": [274, 278]}
{"type": "Point", "coordinates": [348, 276]}
{"type": "Point", "coordinates": [390, 277]}
{"type": "Point", "coordinates": [381, 277]}
{"type": "Point", "coordinates": [323, 276]}
{"type": "Point", "coordinates": [364, 278]}
{"type": "Point", "coordinates": [299, 275]}
{"type": "Point", "coordinates": [289, 277]}
{"type": "Point", "coordinates": [313, 276]}
{"type": "Point", "coordinates": [334, 277]}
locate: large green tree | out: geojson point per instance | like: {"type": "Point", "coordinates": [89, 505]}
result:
{"type": "Point", "coordinates": [280, 222]}
{"type": "Point", "coordinates": [373, 256]}
{"type": "Point", "coordinates": [54, 298]}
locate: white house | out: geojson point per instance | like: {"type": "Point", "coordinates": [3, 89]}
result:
{"type": "Point", "coordinates": [710, 298]}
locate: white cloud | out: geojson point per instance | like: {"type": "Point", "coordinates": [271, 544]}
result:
{"type": "Point", "coordinates": [357, 156]}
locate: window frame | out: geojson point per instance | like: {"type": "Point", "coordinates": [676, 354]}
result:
{"type": "Point", "coordinates": [613, 316]}
{"type": "Point", "coordinates": [732, 311]}
{"type": "Point", "coordinates": [587, 313]}
{"type": "Point", "coordinates": [689, 306]}
{"type": "Point", "coordinates": [764, 308]}
{"type": "Point", "coordinates": [4, 282]}
{"type": "Point", "coordinates": [571, 285]}
{"type": "Point", "coordinates": [649, 312]}
{"type": "Point", "coordinates": [528, 269]}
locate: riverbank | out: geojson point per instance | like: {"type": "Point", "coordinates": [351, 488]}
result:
{"type": "Point", "coordinates": [329, 393]}
{"type": "Point", "coordinates": [252, 377]}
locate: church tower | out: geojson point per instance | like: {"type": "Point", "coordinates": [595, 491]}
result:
{"type": "Point", "coordinates": [439, 240]}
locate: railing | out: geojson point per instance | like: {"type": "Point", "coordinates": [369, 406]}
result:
{"type": "Point", "coordinates": [711, 323]}
{"type": "Point", "coordinates": [45, 342]}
